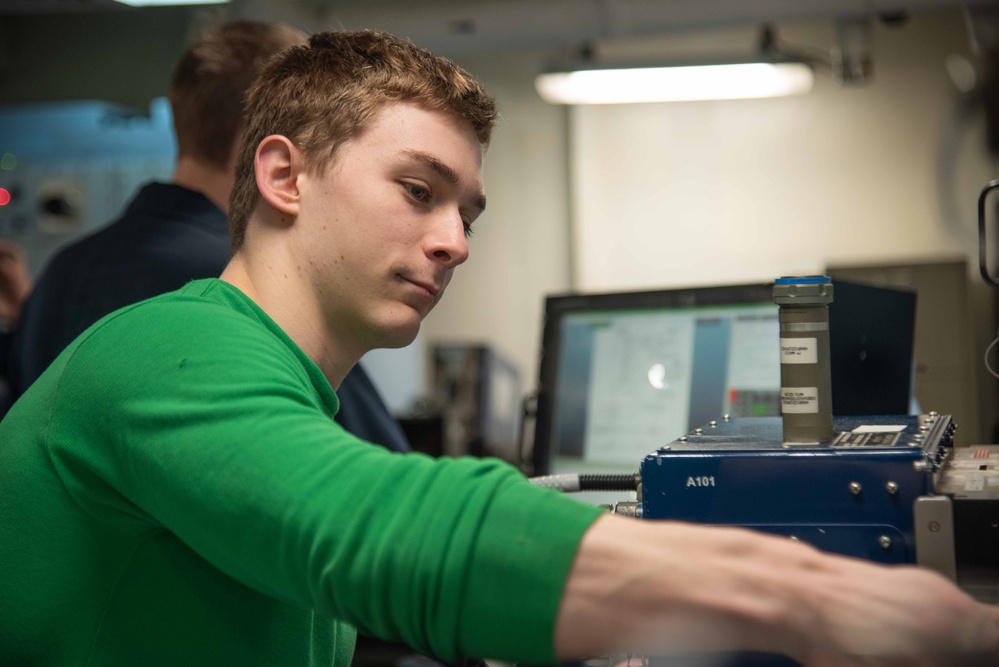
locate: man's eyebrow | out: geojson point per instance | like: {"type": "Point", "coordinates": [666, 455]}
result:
{"type": "Point", "coordinates": [444, 171]}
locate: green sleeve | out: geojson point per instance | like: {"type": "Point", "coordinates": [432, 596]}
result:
{"type": "Point", "coordinates": [208, 425]}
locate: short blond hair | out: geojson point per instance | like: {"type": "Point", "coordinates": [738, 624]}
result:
{"type": "Point", "coordinates": [322, 94]}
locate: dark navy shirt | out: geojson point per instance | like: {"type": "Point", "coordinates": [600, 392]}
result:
{"type": "Point", "coordinates": [167, 236]}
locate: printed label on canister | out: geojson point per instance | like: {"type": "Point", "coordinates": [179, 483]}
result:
{"type": "Point", "coordinates": [799, 350]}
{"type": "Point", "coordinates": [799, 400]}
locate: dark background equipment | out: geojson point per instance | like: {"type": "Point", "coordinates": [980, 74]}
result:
{"type": "Point", "coordinates": [871, 331]}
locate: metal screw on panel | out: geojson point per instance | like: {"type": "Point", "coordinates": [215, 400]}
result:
{"type": "Point", "coordinates": [665, 448]}
{"type": "Point", "coordinates": [698, 431]}
{"type": "Point", "coordinates": [934, 527]}
{"type": "Point", "coordinates": [934, 414]}
{"type": "Point", "coordinates": [726, 417]}
{"type": "Point", "coordinates": [855, 488]}
{"type": "Point", "coordinates": [885, 542]}
{"type": "Point", "coordinates": [712, 423]}
{"type": "Point", "coordinates": [892, 487]}
{"type": "Point", "coordinates": [682, 438]}
{"type": "Point", "coordinates": [921, 465]}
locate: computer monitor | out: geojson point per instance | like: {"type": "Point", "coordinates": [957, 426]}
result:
{"type": "Point", "coordinates": [623, 374]}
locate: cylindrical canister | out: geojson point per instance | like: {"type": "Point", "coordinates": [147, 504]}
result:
{"type": "Point", "coordinates": [806, 384]}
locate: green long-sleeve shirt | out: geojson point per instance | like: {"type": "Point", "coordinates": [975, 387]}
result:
{"type": "Point", "coordinates": [173, 490]}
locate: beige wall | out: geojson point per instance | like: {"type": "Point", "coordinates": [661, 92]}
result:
{"type": "Point", "coordinates": [717, 192]}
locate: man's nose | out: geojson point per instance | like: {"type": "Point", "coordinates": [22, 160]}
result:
{"type": "Point", "coordinates": [446, 242]}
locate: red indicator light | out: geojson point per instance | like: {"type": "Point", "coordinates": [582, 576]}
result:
{"type": "Point", "coordinates": [4, 197]}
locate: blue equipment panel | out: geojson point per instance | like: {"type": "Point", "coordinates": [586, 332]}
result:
{"type": "Point", "coordinates": [853, 496]}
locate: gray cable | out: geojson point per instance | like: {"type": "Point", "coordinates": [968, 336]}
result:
{"type": "Point", "coordinates": [566, 483]}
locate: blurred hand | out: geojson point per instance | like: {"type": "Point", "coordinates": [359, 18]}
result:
{"type": "Point", "coordinates": [897, 616]}
{"type": "Point", "coordinates": [667, 588]}
{"type": "Point", "coordinates": [14, 281]}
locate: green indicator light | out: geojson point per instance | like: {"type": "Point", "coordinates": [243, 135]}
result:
{"type": "Point", "coordinates": [8, 161]}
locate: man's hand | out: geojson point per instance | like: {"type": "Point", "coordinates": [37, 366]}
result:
{"type": "Point", "coordinates": [14, 281]}
{"type": "Point", "coordinates": [898, 616]}
{"type": "Point", "coordinates": [660, 588]}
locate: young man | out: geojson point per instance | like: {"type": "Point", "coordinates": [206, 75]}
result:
{"type": "Point", "coordinates": [171, 233]}
{"type": "Point", "coordinates": [174, 490]}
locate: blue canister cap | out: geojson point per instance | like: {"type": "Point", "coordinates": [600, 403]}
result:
{"type": "Point", "coordinates": [803, 291]}
{"type": "Point", "coordinates": [803, 280]}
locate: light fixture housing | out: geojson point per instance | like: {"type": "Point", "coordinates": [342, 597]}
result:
{"type": "Point", "coordinates": [170, 3]}
{"type": "Point", "coordinates": [591, 84]}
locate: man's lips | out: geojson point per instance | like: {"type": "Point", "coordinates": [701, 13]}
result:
{"type": "Point", "coordinates": [429, 288]}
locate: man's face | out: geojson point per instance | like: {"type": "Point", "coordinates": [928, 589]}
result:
{"type": "Point", "coordinates": [384, 228]}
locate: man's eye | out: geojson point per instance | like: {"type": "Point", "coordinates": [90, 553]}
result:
{"type": "Point", "coordinates": [468, 229]}
{"type": "Point", "coordinates": [418, 192]}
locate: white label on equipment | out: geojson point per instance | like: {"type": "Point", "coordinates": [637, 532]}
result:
{"type": "Point", "coordinates": [975, 483]}
{"type": "Point", "coordinates": [799, 350]}
{"type": "Point", "coordinates": [799, 400]}
{"type": "Point", "coordinates": [879, 428]}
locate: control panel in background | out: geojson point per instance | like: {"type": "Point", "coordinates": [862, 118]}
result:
{"type": "Point", "coordinates": [67, 168]}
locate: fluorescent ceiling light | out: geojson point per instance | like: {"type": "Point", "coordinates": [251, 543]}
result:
{"type": "Point", "coordinates": [675, 84]}
{"type": "Point", "coordinates": [170, 3]}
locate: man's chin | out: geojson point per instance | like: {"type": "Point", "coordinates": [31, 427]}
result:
{"type": "Point", "coordinates": [399, 336]}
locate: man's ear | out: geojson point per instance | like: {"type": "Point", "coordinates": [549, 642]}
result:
{"type": "Point", "coordinates": [278, 164]}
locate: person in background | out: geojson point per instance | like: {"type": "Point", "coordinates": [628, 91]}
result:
{"type": "Point", "coordinates": [172, 233]}
{"type": "Point", "coordinates": [202, 507]}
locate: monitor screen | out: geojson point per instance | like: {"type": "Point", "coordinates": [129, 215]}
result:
{"type": "Point", "coordinates": [623, 374]}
